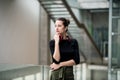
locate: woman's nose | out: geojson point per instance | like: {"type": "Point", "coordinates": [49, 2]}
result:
{"type": "Point", "coordinates": [56, 28]}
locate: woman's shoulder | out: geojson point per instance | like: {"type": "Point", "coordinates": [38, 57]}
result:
{"type": "Point", "coordinates": [74, 40]}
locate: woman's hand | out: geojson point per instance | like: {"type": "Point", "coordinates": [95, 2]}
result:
{"type": "Point", "coordinates": [54, 66]}
{"type": "Point", "coordinates": [56, 38]}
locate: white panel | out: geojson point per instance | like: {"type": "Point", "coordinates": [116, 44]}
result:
{"type": "Point", "coordinates": [91, 0]}
{"type": "Point", "coordinates": [89, 4]}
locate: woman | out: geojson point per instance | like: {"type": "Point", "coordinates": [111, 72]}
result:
{"type": "Point", "coordinates": [65, 52]}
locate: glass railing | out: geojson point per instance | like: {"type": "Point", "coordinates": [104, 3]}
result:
{"type": "Point", "coordinates": [43, 72]}
{"type": "Point", "coordinates": [115, 34]}
{"type": "Point", "coordinates": [114, 40]}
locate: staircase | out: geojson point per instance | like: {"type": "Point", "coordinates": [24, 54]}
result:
{"type": "Point", "coordinates": [60, 8]}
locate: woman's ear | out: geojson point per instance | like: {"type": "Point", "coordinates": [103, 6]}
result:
{"type": "Point", "coordinates": [66, 29]}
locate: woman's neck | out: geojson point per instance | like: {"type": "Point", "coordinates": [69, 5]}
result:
{"type": "Point", "coordinates": [64, 36]}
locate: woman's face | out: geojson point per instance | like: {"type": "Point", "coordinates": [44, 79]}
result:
{"type": "Point", "coordinates": [59, 27]}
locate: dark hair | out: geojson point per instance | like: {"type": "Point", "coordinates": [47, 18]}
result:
{"type": "Point", "coordinates": [66, 22]}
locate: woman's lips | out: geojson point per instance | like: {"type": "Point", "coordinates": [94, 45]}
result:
{"type": "Point", "coordinates": [57, 31]}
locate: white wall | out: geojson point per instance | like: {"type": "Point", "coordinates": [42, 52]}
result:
{"type": "Point", "coordinates": [19, 29]}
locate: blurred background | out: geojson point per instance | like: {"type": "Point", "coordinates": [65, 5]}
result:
{"type": "Point", "coordinates": [27, 26]}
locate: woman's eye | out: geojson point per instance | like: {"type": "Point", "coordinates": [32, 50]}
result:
{"type": "Point", "coordinates": [59, 25]}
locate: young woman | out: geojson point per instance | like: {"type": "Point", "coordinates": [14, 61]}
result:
{"type": "Point", "coordinates": [64, 51]}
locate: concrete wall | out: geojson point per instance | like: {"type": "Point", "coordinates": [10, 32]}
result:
{"type": "Point", "coordinates": [44, 37]}
{"type": "Point", "coordinates": [19, 31]}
